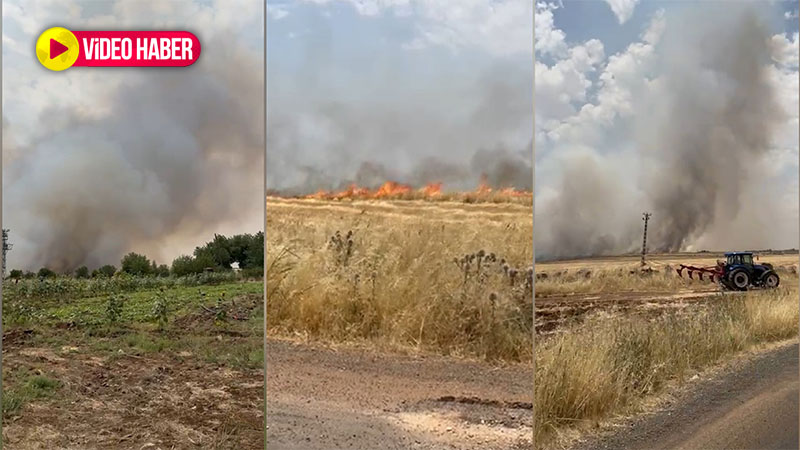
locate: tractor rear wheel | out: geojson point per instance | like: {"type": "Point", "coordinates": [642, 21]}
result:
{"type": "Point", "coordinates": [740, 280]}
{"type": "Point", "coordinates": [771, 280]}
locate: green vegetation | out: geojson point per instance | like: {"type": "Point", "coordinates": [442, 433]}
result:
{"type": "Point", "coordinates": [218, 255]}
{"type": "Point", "coordinates": [26, 387]}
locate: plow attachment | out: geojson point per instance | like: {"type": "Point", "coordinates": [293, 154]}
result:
{"type": "Point", "coordinates": [714, 273]}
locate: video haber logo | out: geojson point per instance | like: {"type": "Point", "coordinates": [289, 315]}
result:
{"type": "Point", "coordinates": [59, 49]}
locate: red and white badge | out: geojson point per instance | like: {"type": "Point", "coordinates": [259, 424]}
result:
{"type": "Point", "coordinates": [59, 49]}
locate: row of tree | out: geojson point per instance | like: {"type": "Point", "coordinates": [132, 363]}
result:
{"type": "Point", "coordinates": [246, 250]}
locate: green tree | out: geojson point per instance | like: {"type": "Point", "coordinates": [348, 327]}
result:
{"type": "Point", "coordinates": [185, 265]}
{"type": "Point", "coordinates": [108, 270]}
{"type": "Point", "coordinates": [255, 252]}
{"type": "Point", "coordinates": [136, 264]}
{"type": "Point", "coordinates": [162, 270]}
{"type": "Point", "coordinates": [15, 274]}
{"type": "Point", "coordinates": [44, 272]}
{"type": "Point", "coordinates": [82, 272]}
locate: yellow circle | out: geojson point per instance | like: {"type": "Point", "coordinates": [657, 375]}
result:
{"type": "Point", "coordinates": [61, 61]}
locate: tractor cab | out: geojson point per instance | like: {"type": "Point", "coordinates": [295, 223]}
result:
{"type": "Point", "coordinates": [739, 258]}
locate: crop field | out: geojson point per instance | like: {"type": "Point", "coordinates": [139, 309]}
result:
{"type": "Point", "coordinates": [447, 277]}
{"type": "Point", "coordinates": [567, 291]}
{"type": "Point", "coordinates": [610, 335]}
{"type": "Point", "coordinates": [402, 323]}
{"type": "Point", "coordinates": [130, 362]}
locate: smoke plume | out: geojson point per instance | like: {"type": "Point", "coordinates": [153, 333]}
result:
{"type": "Point", "coordinates": [177, 154]}
{"type": "Point", "coordinates": [701, 132]}
{"type": "Point", "coordinates": [390, 124]}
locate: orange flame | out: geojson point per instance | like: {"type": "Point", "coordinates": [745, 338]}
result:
{"type": "Point", "coordinates": [394, 190]}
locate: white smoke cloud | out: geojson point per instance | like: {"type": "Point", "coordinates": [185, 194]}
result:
{"type": "Point", "coordinates": [625, 143]}
{"type": "Point", "coordinates": [623, 9]}
{"type": "Point", "coordinates": [100, 162]}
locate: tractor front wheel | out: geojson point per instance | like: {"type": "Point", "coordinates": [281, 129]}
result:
{"type": "Point", "coordinates": [771, 280]}
{"type": "Point", "coordinates": [740, 280]}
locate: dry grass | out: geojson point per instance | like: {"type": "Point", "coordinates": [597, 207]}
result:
{"type": "Point", "coordinates": [608, 280]}
{"type": "Point", "coordinates": [607, 366]}
{"type": "Point", "coordinates": [400, 274]}
{"type": "Point", "coordinates": [500, 196]}
{"type": "Point", "coordinates": [616, 278]}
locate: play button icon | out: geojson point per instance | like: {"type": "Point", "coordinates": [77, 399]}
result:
{"type": "Point", "coordinates": [56, 48]}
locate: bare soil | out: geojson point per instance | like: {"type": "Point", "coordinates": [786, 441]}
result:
{"type": "Point", "coordinates": [158, 401]}
{"type": "Point", "coordinates": [552, 313]}
{"type": "Point", "coordinates": [328, 398]}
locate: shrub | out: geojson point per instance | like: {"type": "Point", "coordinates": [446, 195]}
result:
{"type": "Point", "coordinates": [136, 264]}
{"type": "Point", "coordinates": [82, 272]}
{"type": "Point", "coordinates": [114, 308]}
{"type": "Point", "coordinates": [108, 270]}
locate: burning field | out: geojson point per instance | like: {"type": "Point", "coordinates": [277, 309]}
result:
{"type": "Point", "coordinates": [391, 190]}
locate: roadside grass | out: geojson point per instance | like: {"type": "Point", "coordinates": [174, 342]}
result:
{"type": "Point", "coordinates": [403, 276]}
{"type": "Point", "coordinates": [23, 386]}
{"type": "Point", "coordinates": [608, 366]}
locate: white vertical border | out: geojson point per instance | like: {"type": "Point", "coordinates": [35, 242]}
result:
{"type": "Point", "coordinates": [264, 205]}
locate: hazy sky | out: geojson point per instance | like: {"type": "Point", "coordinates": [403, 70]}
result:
{"type": "Point", "coordinates": [395, 83]}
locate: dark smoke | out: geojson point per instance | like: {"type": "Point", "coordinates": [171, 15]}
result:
{"type": "Point", "coordinates": [721, 114]}
{"type": "Point", "coordinates": [179, 153]}
{"type": "Point", "coordinates": [394, 125]}
{"type": "Point", "coordinates": [702, 129]}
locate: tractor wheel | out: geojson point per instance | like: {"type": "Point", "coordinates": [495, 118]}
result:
{"type": "Point", "coordinates": [740, 280]}
{"type": "Point", "coordinates": [771, 280]}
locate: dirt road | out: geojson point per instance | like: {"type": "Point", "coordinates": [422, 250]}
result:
{"type": "Point", "coordinates": [752, 405]}
{"type": "Point", "coordinates": [321, 398]}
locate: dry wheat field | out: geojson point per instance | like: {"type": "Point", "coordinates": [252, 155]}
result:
{"type": "Point", "coordinates": [610, 334]}
{"type": "Point", "coordinates": [452, 278]}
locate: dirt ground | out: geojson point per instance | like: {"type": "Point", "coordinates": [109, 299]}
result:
{"type": "Point", "coordinates": [327, 398]}
{"type": "Point", "coordinates": [158, 401]}
{"type": "Point", "coordinates": [751, 402]}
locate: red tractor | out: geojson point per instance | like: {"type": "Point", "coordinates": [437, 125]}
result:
{"type": "Point", "coordinates": [737, 272]}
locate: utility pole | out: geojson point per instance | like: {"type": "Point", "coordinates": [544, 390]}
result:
{"type": "Point", "coordinates": [645, 217]}
{"type": "Point", "coordinates": [6, 248]}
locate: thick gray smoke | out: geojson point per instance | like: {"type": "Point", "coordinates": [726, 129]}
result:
{"type": "Point", "coordinates": [399, 127]}
{"type": "Point", "coordinates": [178, 153]}
{"type": "Point", "coordinates": [720, 113]}
{"type": "Point", "coordinates": [702, 129]}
